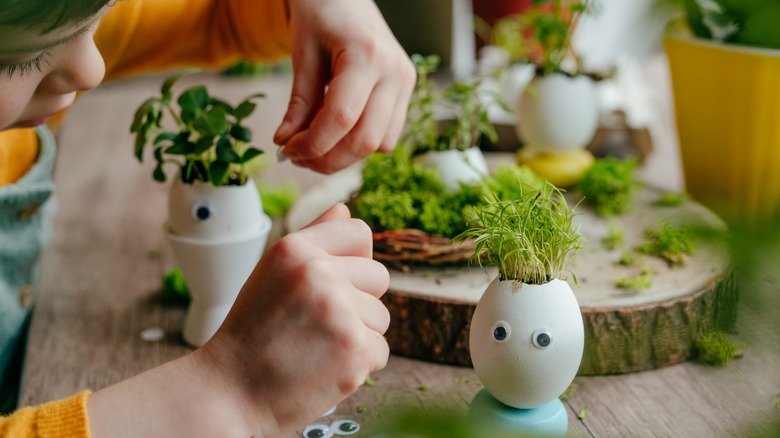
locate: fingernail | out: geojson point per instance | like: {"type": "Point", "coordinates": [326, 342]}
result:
{"type": "Point", "coordinates": [280, 156]}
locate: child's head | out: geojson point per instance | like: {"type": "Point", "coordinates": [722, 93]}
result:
{"type": "Point", "coordinates": [46, 55]}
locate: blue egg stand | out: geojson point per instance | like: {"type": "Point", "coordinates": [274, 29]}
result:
{"type": "Point", "coordinates": [489, 417]}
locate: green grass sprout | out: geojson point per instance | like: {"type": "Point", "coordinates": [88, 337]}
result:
{"type": "Point", "coordinates": [531, 239]}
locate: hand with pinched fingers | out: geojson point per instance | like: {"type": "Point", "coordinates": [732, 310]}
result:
{"type": "Point", "coordinates": [351, 87]}
{"type": "Point", "coordinates": [307, 328]}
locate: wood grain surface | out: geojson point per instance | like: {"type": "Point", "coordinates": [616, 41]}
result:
{"type": "Point", "coordinates": [100, 281]}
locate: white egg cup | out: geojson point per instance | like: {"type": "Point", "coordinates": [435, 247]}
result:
{"type": "Point", "coordinates": [217, 235]}
{"type": "Point", "coordinates": [526, 343]}
{"type": "Point", "coordinates": [456, 167]}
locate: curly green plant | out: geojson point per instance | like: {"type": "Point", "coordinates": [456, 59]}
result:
{"type": "Point", "coordinates": [609, 185]}
{"type": "Point", "coordinates": [208, 142]}
{"type": "Point", "coordinates": [530, 239]}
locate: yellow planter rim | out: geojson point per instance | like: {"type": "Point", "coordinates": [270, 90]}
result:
{"type": "Point", "coordinates": [726, 47]}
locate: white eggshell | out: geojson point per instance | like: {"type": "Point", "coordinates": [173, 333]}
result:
{"type": "Point", "coordinates": [558, 113]}
{"type": "Point", "coordinates": [456, 167]}
{"type": "Point", "coordinates": [231, 211]}
{"type": "Point", "coordinates": [516, 371]}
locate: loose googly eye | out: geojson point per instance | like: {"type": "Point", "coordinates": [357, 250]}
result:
{"type": "Point", "coordinates": [542, 338]}
{"type": "Point", "coordinates": [500, 331]}
{"type": "Point", "coordinates": [345, 427]}
{"type": "Point", "coordinates": [317, 430]}
{"type": "Point", "coordinates": [202, 211]}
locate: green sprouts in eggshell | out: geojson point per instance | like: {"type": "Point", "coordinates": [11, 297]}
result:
{"type": "Point", "coordinates": [529, 239]}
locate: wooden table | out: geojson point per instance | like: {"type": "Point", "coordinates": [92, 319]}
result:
{"type": "Point", "coordinates": [101, 275]}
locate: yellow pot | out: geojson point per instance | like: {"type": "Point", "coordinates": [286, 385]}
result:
{"type": "Point", "coordinates": [727, 102]}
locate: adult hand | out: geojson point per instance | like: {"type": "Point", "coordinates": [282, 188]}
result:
{"type": "Point", "coordinates": [307, 327]}
{"type": "Point", "coordinates": [343, 47]}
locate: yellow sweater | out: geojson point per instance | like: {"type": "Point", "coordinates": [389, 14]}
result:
{"type": "Point", "coordinates": [138, 36]}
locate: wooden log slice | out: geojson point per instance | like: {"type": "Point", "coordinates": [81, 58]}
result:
{"type": "Point", "coordinates": [625, 331]}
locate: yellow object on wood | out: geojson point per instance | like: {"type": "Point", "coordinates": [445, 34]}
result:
{"type": "Point", "coordinates": [563, 169]}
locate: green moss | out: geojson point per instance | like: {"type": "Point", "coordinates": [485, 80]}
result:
{"type": "Point", "coordinates": [671, 199]}
{"type": "Point", "coordinates": [614, 238]}
{"type": "Point", "coordinates": [609, 185]}
{"type": "Point", "coordinates": [174, 288]}
{"type": "Point", "coordinates": [635, 283]}
{"type": "Point", "coordinates": [630, 258]}
{"type": "Point", "coordinates": [716, 348]}
{"type": "Point", "coordinates": [672, 243]}
{"type": "Point", "coordinates": [277, 201]}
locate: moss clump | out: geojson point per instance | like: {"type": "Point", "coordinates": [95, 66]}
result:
{"type": "Point", "coordinates": [716, 348]}
{"type": "Point", "coordinates": [277, 201]}
{"type": "Point", "coordinates": [635, 283]}
{"type": "Point", "coordinates": [630, 258]}
{"type": "Point", "coordinates": [672, 243]}
{"type": "Point", "coordinates": [609, 185]}
{"type": "Point", "coordinates": [670, 199]}
{"type": "Point", "coordinates": [174, 288]}
{"type": "Point", "coordinates": [614, 238]}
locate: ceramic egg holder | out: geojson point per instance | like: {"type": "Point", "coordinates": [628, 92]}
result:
{"type": "Point", "coordinates": [217, 235]}
{"type": "Point", "coordinates": [557, 118]}
{"type": "Point", "coordinates": [526, 344]}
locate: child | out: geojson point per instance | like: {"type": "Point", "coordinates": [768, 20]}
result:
{"type": "Point", "coordinates": [260, 374]}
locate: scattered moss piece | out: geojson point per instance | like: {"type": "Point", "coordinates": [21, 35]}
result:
{"type": "Point", "coordinates": [635, 283]}
{"type": "Point", "coordinates": [369, 381]}
{"type": "Point", "coordinates": [360, 409]}
{"type": "Point", "coordinates": [174, 289]}
{"type": "Point", "coordinates": [614, 238]}
{"type": "Point", "coordinates": [672, 243]}
{"type": "Point", "coordinates": [670, 199]}
{"type": "Point", "coordinates": [630, 258]}
{"type": "Point", "coordinates": [277, 201]}
{"type": "Point", "coordinates": [458, 380]}
{"type": "Point", "coordinates": [609, 185]}
{"type": "Point", "coordinates": [423, 388]}
{"type": "Point", "coordinates": [583, 411]}
{"type": "Point", "coordinates": [569, 392]}
{"type": "Point", "coordinates": [715, 348]}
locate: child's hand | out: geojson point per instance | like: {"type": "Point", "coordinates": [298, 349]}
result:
{"type": "Point", "coordinates": [346, 46]}
{"type": "Point", "coordinates": [306, 328]}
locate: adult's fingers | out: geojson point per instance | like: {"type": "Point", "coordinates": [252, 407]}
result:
{"type": "Point", "coordinates": [335, 212]}
{"type": "Point", "coordinates": [346, 237]}
{"type": "Point", "coordinates": [365, 274]}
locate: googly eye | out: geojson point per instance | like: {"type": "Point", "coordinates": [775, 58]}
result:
{"type": "Point", "coordinates": [345, 427]}
{"type": "Point", "coordinates": [500, 331]}
{"type": "Point", "coordinates": [202, 211]}
{"type": "Point", "coordinates": [542, 338]}
{"type": "Point", "coordinates": [317, 430]}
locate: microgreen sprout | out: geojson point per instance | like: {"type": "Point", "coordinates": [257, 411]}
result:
{"type": "Point", "coordinates": [531, 239]}
{"type": "Point", "coordinates": [465, 117]}
{"type": "Point", "coordinates": [209, 142]}
{"type": "Point", "coordinates": [609, 185]}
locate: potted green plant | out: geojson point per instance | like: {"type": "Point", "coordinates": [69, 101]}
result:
{"type": "Point", "coordinates": [216, 224]}
{"type": "Point", "coordinates": [526, 336]}
{"type": "Point", "coordinates": [557, 113]}
{"type": "Point", "coordinates": [444, 126]}
{"type": "Point", "coordinates": [724, 60]}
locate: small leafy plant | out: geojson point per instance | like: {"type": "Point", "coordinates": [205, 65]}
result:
{"type": "Point", "coordinates": [531, 239]}
{"type": "Point", "coordinates": [208, 142]}
{"type": "Point", "coordinates": [542, 34]}
{"type": "Point", "coordinates": [464, 116]}
{"type": "Point", "coordinates": [609, 185]}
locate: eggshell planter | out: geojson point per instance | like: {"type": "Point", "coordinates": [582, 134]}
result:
{"type": "Point", "coordinates": [456, 167]}
{"type": "Point", "coordinates": [558, 113]}
{"type": "Point", "coordinates": [217, 235]}
{"type": "Point", "coordinates": [526, 341]}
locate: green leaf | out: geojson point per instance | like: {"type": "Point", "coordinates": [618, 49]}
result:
{"type": "Point", "coordinates": [192, 101]}
{"type": "Point", "coordinates": [181, 148]}
{"type": "Point", "coordinates": [164, 136]}
{"type": "Point", "coordinates": [158, 174]}
{"type": "Point", "coordinates": [203, 144]}
{"type": "Point", "coordinates": [168, 84]}
{"type": "Point", "coordinates": [249, 154]}
{"type": "Point", "coordinates": [217, 172]}
{"type": "Point", "coordinates": [213, 122]}
{"type": "Point", "coordinates": [142, 111]}
{"type": "Point", "coordinates": [140, 142]}
{"type": "Point", "coordinates": [225, 151]}
{"type": "Point", "coordinates": [241, 133]}
{"type": "Point", "coordinates": [218, 103]}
